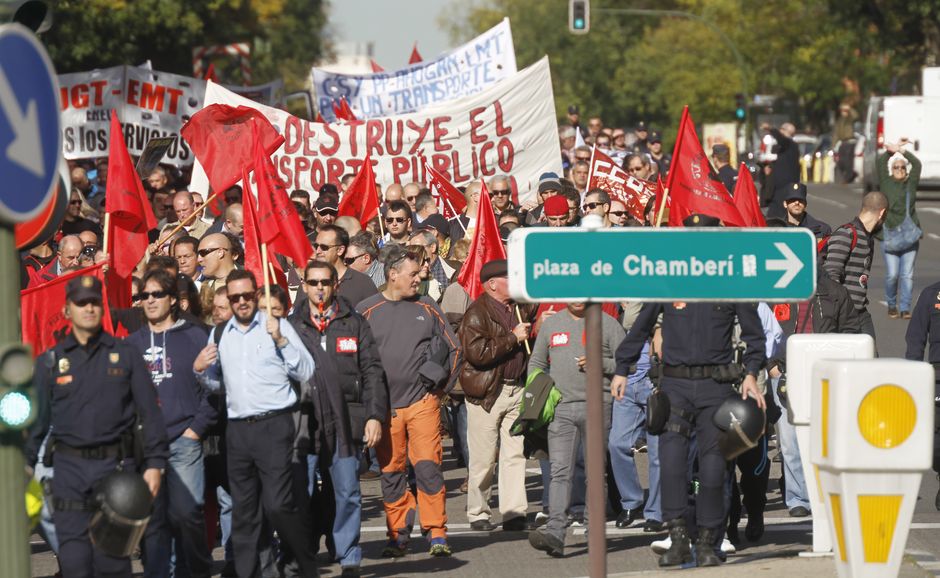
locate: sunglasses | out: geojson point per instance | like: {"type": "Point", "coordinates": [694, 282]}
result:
{"type": "Point", "coordinates": [326, 212]}
{"type": "Point", "coordinates": [206, 252]}
{"type": "Point", "coordinates": [146, 295]}
{"type": "Point", "coordinates": [323, 247]}
{"type": "Point", "coordinates": [410, 199]}
{"type": "Point", "coordinates": [395, 219]}
{"type": "Point", "coordinates": [86, 302]}
{"type": "Point", "coordinates": [897, 168]}
{"type": "Point", "coordinates": [499, 193]}
{"type": "Point", "coordinates": [617, 213]}
{"type": "Point", "coordinates": [592, 206]}
{"type": "Point", "coordinates": [319, 282]}
{"type": "Point", "coordinates": [585, 159]}
{"type": "Point", "coordinates": [351, 260]}
{"type": "Point", "coordinates": [75, 202]}
{"type": "Point", "coordinates": [248, 297]}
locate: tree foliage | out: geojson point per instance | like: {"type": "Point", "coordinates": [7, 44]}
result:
{"type": "Point", "coordinates": [285, 35]}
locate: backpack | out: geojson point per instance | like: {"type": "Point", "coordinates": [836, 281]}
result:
{"type": "Point", "coordinates": [822, 246]}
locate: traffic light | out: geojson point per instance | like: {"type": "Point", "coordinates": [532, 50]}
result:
{"type": "Point", "coordinates": [17, 396]}
{"type": "Point", "coordinates": [579, 16]}
{"type": "Point", "coordinates": [740, 106]}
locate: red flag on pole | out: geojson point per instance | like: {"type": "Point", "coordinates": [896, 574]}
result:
{"type": "Point", "coordinates": [43, 321]}
{"type": "Point", "coordinates": [210, 73]}
{"type": "Point", "coordinates": [347, 112]}
{"type": "Point", "coordinates": [692, 183]}
{"type": "Point", "coordinates": [450, 201]}
{"type": "Point", "coordinates": [126, 202]}
{"type": "Point", "coordinates": [485, 247]}
{"type": "Point", "coordinates": [415, 57]}
{"type": "Point", "coordinates": [745, 198]}
{"type": "Point", "coordinates": [375, 66]}
{"type": "Point", "coordinates": [280, 226]}
{"type": "Point", "coordinates": [361, 200]}
{"type": "Point", "coordinates": [221, 138]}
{"type": "Point", "coordinates": [634, 193]}
{"type": "Point", "coordinates": [252, 234]}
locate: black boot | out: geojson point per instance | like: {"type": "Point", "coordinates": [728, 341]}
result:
{"type": "Point", "coordinates": [705, 554]}
{"type": "Point", "coordinates": [680, 550]}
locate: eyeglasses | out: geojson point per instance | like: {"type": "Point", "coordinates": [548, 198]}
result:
{"type": "Point", "coordinates": [617, 213]}
{"type": "Point", "coordinates": [899, 168]}
{"type": "Point", "coordinates": [411, 199]}
{"type": "Point", "coordinates": [592, 206]}
{"type": "Point", "coordinates": [395, 219]}
{"type": "Point", "coordinates": [323, 247]}
{"type": "Point", "coordinates": [248, 297]}
{"type": "Point", "coordinates": [76, 202]}
{"type": "Point", "coordinates": [146, 295]}
{"type": "Point", "coordinates": [585, 159]}
{"type": "Point", "coordinates": [499, 193]}
{"type": "Point", "coordinates": [351, 260]}
{"type": "Point", "coordinates": [206, 252]}
{"type": "Point", "coordinates": [319, 282]}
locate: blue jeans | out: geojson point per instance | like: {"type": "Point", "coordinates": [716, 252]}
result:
{"type": "Point", "coordinates": [457, 412]}
{"type": "Point", "coordinates": [900, 265]}
{"type": "Point", "coordinates": [344, 473]}
{"type": "Point", "coordinates": [628, 424]}
{"type": "Point", "coordinates": [796, 494]}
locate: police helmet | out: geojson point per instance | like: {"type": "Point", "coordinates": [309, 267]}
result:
{"type": "Point", "coordinates": [742, 422]}
{"type": "Point", "coordinates": [124, 502]}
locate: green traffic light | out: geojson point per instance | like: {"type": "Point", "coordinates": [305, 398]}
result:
{"type": "Point", "coordinates": [739, 113]}
{"type": "Point", "coordinates": [579, 23]}
{"type": "Point", "coordinates": [15, 409]}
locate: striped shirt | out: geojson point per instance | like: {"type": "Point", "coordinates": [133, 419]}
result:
{"type": "Point", "coordinates": [850, 267]}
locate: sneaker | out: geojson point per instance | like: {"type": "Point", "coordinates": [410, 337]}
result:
{"type": "Point", "coordinates": [482, 526]}
{"type": "Point", "coordinates": [547, 543]}
{"type": "Point", "coordinates": [727, 547]}
{"type": "Point", "coordinates": [905, 314]}
{"type": "Point", "coordinates": [893, 312]}
{"type": "Point", "coordinates": [798, 512]}
{"type": "Point", "coordinates": [439, 548]}
{"type": "Point", "coordinates": [541, 518]}
{"type": "Point", "coordinates": [395, 549]}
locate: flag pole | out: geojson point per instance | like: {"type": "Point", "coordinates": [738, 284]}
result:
{"type": "Point", "coordinates": [662, 205]}
{"type": "Point", "coordinates": [107, 232]}
{"type": "Point", "coordinates": [182, 224]}
{"type": "Point", "coordinates": [267, 285]}
{"type": "Point", "coordinates": [443, 196]}
{"type": "Point", "coordinates": [528, 348]}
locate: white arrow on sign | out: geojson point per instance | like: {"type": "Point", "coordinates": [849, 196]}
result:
{"type": "Point", "coordinates": [25, 150]}
{"type": "Point", "coordinates": [790, 264]}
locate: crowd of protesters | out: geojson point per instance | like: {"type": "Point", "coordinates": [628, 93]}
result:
{"type": "Point", "coordinates": [276, 405]}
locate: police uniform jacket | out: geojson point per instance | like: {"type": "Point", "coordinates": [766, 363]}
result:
{"type": "Point", "coordinates": [92, 395]}
{"type": "Point", "coordinates": [924, 328]}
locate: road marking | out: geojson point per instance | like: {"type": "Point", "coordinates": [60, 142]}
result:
{"type": "Point", "coordinates": [929, 210]}
{"type": "Point", "coordinates": [934, 236]}
{"type": "Point", "coordinates": [826, 201]}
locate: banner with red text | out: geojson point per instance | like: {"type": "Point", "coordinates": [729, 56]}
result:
{"type": "Point", "coordinates": [634, 193]}
{"type": "Point", "coordinates": [510, 129]}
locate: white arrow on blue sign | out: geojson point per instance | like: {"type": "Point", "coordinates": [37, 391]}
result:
{"type": "Point", "coordinates": [30, 138]}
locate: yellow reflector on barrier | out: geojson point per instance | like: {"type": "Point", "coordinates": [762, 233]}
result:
{"type": "Point", "coordinates": [825, 418]}
{"type": "Point", "coordinates": [879, 515]}
{"type": "Point", "coordinates": [886, 416]}
{"type": "Point", "coordinates": [837, 524]}
{"type": "Point", "coordinates": [822, 498]}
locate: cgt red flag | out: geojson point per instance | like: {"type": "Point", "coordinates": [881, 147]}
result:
{"type": "Point", "coordinates": [692, 183]}
{"type": "Point", "coordinates": [278, 222]}
{"type": "Point", "coordinates": [485, 247]}
{"type": "Point", "coordinates": [450, 201]}
{"type": "Point", "coordinates": [252, 234]}
{"type": "Point", "coordinates": [375, 66]}
{"type": "Point", "coordinates": [415, 57]}
{"type": "Point", "coordinates": [126, 202]}
{"type": "Point", "coordinates": [634, 193]}
{"type": "Point", "coordinates": [221, 137]}
{"type": "Point", "coordinates": [361, 200]}
{"type": "Point", "coordinates": [43, 320]}
{"type": "Point", "coordinates": [745, 198]}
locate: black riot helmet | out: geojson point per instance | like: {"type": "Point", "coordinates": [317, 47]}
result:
{"type": "Point", "coordinates": [743, 423]}
{"type": "Point", "coordinates": [124, 502]}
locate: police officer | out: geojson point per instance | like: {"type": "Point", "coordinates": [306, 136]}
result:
{"type": "Point", "coordinates": [698, 373]}
{"type": "Point", "coordinates": [923, 329]}
{"type": "Point", "coordinates": [92, 389]}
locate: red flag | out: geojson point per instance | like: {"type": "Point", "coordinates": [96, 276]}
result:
{"type": "Point", "coordinates": [485, 247]}
{"type": "Point", "coordinates": [375, 66]}
{"type": "Point", "coordinates": [210, 73]}
{"type": "Point", "coordinates": [131, 214]}
{"type": "Point", "coordinates": [347, 112]}
{"type": "Point", "coordinates": [279, 223]}
{"type": "Point", "coordinates": [745, 198]}
{"type": "Point", "coordinates": [42, 320]}
{"type": "Point", "coordinates": [319, 119]}
{"type": "Point", "coordinates": [338, 111]}
{"type": "Point", "coordinates": [634, 193]}
{"type": "Point", "coordinates": [415, 57]}
{"type": "Point", "coordinates": [221, 138]}
{"type": "Point", "coordinates": [449, 200]}
{"type": "Point", "coordinates": [692, 184]}
{"type": "Point", "coordinates": [252, 233]}
{"type": "Point", "coordinates": [361, 201]}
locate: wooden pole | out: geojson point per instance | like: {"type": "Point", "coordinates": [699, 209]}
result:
{"type": "Point", "coordinates": [595, 461]}
{"type": "Point", "coordinates": [107, 233]}
{"type": "Point", "coordinates": [662, 206]}
{"type": "Point", "coordinates": [185, 221]}
{"type": "Point", "coordinates": [267, 285]}
{"type": "Point", "coordinates": [528, 348]}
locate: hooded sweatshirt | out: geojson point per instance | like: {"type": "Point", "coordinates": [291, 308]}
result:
{"type": "Point", "coordinates": [169, 355]}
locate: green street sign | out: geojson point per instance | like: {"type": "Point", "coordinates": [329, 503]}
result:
{"type": "Point", "coordinates": [646, 264]}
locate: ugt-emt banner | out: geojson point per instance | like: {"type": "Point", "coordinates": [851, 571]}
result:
{"type": "Point", "coordinates": [465, 70]}
{"type": "Point", "coordinates": [509, 128]}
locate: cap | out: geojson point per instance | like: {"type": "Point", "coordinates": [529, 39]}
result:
{"type": "Point", "coordinates": [495, 268]}
{"type": "Point", "coordinates": [327, 203]}
{"type": "Point", "coordinates": [641, 125]}
{"type": "Point", "coordinates": [655, 137]}
{"type": "Point", "coordinates": [436, 222]}
{"type": "Point", "coordinates": [573, 109]}
{"type": "Point", "coordinates": [556, 206]}
{"type": "Point", "coordinates": [720, 149]}
{"type": "Point", "coordinates": [796, 191]}
{"type": "Point", "coordinates": [83, 288]}
{"type": "Point", "coordinates": [699, 220]}
{"type": "Point", "coordinates": [329, 189]}
{"type": "Point", "coordinates": [549, 182]}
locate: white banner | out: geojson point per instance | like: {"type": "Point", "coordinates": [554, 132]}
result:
{"type": "Point", "coordinates": [510, 128]}
{"type": "Point", "coordinates": [466, 70]}
{"type": "Point", "coordinates": [150, 104]}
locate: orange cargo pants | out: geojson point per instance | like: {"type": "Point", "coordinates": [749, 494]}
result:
{"type": "Point", "coordinates": [413, 435]}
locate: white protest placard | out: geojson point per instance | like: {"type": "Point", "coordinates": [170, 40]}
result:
{"type": "Point", "coordinates": [465, 70]}
{"type": "Point", "coordinates": [510, 128]}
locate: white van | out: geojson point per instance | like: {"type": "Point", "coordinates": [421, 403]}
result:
{"type": "Point", "coordinates": [891, 117]}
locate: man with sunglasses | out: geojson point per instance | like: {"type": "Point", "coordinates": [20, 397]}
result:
{"type": "Point", "coordinates": [330, 246]}
{"type": "Point", "coordinates": [215, 257]}
{"type": "Point", "coordinates": [349, 397]}
{"type": "Point", "coordinates": [325, 210]}
{"type": "Point", "coordinates": [169, 346]}
{"type": "Point", "coordinates": [500, 190]}
{"type": "Point", "coordinates": [617, 214]}
{"type": "Point", "coordinates": [597, 202]}
{"type": "Point", "coordinates": [258, 357]}
{"type": "Point", "coordinates": [74, 223]}
{"type": "Point", "coordinates": [397, 223]}
{"type": "Point", "coordinates": [362, 255]}
{"type": "Point", "coordinates": [410, 194]}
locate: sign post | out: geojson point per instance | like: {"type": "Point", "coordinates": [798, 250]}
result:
{"type": "Point", "coordinates": [30, 147]}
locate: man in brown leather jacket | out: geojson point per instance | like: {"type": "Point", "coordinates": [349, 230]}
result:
{"type": "Point", "coordinates": [493, 380]}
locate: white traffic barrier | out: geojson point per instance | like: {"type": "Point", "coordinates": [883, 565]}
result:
{"type": "Point", "coordinates": [804, 350]}
{"type": "Point", "coordinates": [872, 432]}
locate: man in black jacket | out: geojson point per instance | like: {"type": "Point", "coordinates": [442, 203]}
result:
{"type": "Point", "coordinates": [786, 167]}
{"type": "Point", "coordinates": [349, 395]}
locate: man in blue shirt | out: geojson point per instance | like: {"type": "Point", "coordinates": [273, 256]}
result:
{"type": "Point", "coordinates": [259, 355]}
